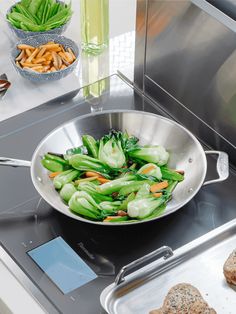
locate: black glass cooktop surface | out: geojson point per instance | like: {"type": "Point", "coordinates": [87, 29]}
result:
{"type": "Point", "coordinates": [27, 221]}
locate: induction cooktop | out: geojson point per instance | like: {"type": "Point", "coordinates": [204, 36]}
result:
{"type": "Point", "coordinates": [66, 263]}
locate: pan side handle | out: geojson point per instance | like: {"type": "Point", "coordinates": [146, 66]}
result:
{"type": "Point", "coordinates": [4, 161]}
{"type": "Point", "coordinates": [222, 166]}
{"type": "Point", "coordinates": [166, 251]}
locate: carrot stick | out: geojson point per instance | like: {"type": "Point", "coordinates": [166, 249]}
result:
{"type": "Point", "coordinates": [103, 180]}
{"type": "Point", "coordinates": [148, 169]}
{"type": "Point", "coordinates": [100, 178]}
{"type": "Point", "coordinates": [109, 218]}
{"type": "Point", "coordinates": [93, 174]}
{"type": "Point", "coordinates": [54, 174]}
{"type": "Point", "coordinates": [157, 194]}
{"type": "Point", "coordinates": [159, 186]}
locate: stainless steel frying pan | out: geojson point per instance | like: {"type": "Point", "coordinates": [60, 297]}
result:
{"type": "Point", "coordinates": [186, 153]}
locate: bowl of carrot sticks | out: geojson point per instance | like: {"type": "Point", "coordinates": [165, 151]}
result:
{"type": "Point", "coordinates": [45, 57]}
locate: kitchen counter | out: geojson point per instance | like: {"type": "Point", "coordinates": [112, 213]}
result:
{"type": "Point", "coordinates": [24, 95]}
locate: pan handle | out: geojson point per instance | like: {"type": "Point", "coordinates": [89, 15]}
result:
{"type": "Point", "coordinates": [164, 250]}
{"type": "Point", "coordinates": [4, 161]}
{"type": "Point", "coordinates": [222, 166]}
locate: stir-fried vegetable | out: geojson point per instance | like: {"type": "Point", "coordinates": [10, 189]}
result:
{"type": "Point", "coordinates": [65, 177]}
{"type": "Point", "coordinates": [113, 179]}
{"type": "Point", "coordinates": [91, 145]}
{"type": "Point", "coordinates": [154, 154]}
{"type": "Point", "coordinates": [144, 207]}
{"type": "Point", "coordinates": [151, 170]}
{"type": "Point", "coordinates": [84, 163]}
{"type": "Point", "coordinates": [82, 203]}
{"type": "Point", "coordinates": [39, 15]}
{"type": "Point", "coordinates": [67, 191]}
{"type": "Point", "coordinates": [111, 152]}
{"type": "Point", "coordinates": [115, 185]}
{"type": "Point", "coordinates": [54, 163]}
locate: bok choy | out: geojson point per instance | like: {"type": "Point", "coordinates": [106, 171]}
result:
{"type": "Point", "coordinates": [114, 179]}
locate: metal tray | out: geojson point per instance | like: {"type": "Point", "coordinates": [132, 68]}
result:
{"type": "Point", "coordinates": [199, 263]}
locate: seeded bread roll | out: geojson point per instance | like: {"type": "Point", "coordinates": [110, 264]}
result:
{"type": "Point", "coordinates": [184, 299]}
{"type": "Point", "coordinates": [230, 268]}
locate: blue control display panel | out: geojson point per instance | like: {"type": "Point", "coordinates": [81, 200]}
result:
{"type": "Point", "coordinates": [62, 265]}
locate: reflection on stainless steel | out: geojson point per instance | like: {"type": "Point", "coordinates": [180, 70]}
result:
{"type": "Point", "coordinates": [146, 288]}
{"type": "Point", "coordinates": [164, 250]}
{"type": "Point", "coordinates": [140, 43]}
{"type": "Point", "coordinates": [94, 70]}
{"type": "Point", "coordinates": [4, 161]}
{"type": "Point", "coordinates": [26, 210]}
{"type": "Point", "coordinates": [4, 85]}
{"type": "Point", "coordinates": [188, 65]}
{"type": "Point", "coordinates": [222, 167]}
{"type": "Point", "coordinates": [181, 144]}
{"type": "Point", "coordinates": [101, 265]}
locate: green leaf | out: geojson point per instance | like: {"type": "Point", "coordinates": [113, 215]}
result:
{"type": "Point", "coordinates": [111, 152]}
{"type": "Point", "coordinates": [44, 11]}
{"type": "Point", "coordinates": [34, 6]}
{"type": "Point", "coordinates": [67, 191]}
{"type": "Point", "coordinates": [26, 13]}
{"type": "Point", "coordinates": [65, 177]}
{"type": "Point", "coordinates": [169, 174]}
{"type": "Point", "coordinates": [40, 12]}
{"type": "Point", "coordinates": [154, 154]}
{"type": "Point", "coordinates": [76, 150]}
{"type": "Point", "coordinates": [25, 3]}
{"type": "Point", "coordinates": [52, 165]}
{"type": "Point", "coordinates": [156, 213]}
{"type": "Point", "coordinates": [91, 144]}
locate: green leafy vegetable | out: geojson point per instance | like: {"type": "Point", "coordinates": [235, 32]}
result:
{"type": "Point", "coordinates": [39, 15]}
{"type": "Point", "coordinates": [151, 169]}
{"type": "Point", "coordinates": [153, 154]}
{"type": "Point", "coordinates": [171, 174]}
{"type": "Point", "coordinates": [67, 191]}
{"type": "Point", "coordinates": [144, 207]}
{"type": "Point", "coordinates": [75, 150]}
{"type": "Point", "coordinates": [54, 163]}
{"type": "Point", "coordinates": [65, 177]}
{"type": "Point", "coordinates": [111, 152]}
{"type": "Point", "coordinates": [133, 186]}
{"type": "Point", "coordinates": [82, 203]}
{"type": "Point", "coordinates": [91, 145]}
{"type": "Point", "coordinates": [143, 191]}
{"type": "Point", "coordinates": [115, 185]}
{"type": "Point", "coordinates": [86, 163]}
{"type": "Point", "coordinates": [112, 179]}
{"type": "Point", "coordinates": [91, 189]}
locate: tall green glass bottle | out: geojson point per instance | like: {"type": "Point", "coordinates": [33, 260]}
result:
{"type": "Point", "coordinates": [94, 25]}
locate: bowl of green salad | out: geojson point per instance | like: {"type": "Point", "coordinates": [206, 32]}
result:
{"type": "Point", "coordinates": [34, 17]}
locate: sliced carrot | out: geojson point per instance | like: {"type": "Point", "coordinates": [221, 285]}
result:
{"type": "Point", "coordinates": [148, 169]}
{"type": "Point", "coordinates": [93, 174]}
{"type": "Point", "coordinates": [109, 218]}
{"type": "Point", "coordinates": [159, 186]}
{"type": "Point", "coordinates": [157, 194]}
{"type": "Point", "coordinates": [54, 174]}
{"type": "Point", "coordinates": [103, 180]}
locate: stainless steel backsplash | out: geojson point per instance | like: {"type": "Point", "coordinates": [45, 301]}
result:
{"type": "Point", "coordinates": [186, 61]}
